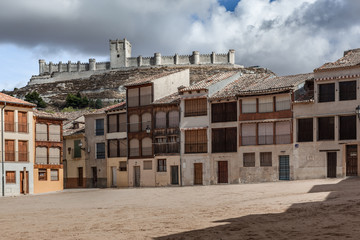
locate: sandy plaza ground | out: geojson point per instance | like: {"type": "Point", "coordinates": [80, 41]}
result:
{"type": "Point", "coordinates": [309, 209]}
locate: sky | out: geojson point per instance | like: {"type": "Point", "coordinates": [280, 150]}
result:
{"type": "Point", "coordinates": [286, 36]}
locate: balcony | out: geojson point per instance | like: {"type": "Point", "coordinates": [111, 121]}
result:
{"type": "Point", "coordinates": [283, 139]}
{"type": "Point", "coordinates": [146, 151]}
{"type": "Point", "coordinates": [23, 156]}
{"type": "Point", "coordinates": [134, 152]}
{"type": "Point", "coordinates": [160, 132]}
{"type": "Point", "coordinates": [266, 139]}
{"type": "Point", "coordinates": [41, 160]}
{"type": "Point", "coordinates": [9, 156]}
{"type": "Point", "coordinates": [16, 127]}
{"type": "Point", "coordinates": [133, 101]}
{"type": "Point", "coordinates": [133, 127]}
{"type": "Point", "coordinates": [167, 148]}
{"type": "Point", "coordinates": [196, 148]}
{"type": "Point", "coordinates": [145, 99]}
{"type": "Point", "coordinates": [113, 127]}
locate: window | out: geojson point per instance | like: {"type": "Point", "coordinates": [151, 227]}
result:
{"type": "Point", "coordinates": [133, 97]}
{"type": "Point", "coordinates": [122, 166]}
{"type": "Point", "coordinates": [305, 130]}
{"type": "Point", "coordinates": [248, 134]}
{"type": "Point", "coordinates": [223, 112]}
{"type": "Point", "coordinates": [41, 155]}
{"type": "Point", "coordinates": [146, 147]}
{"type": "Point", "coordinates": [41, 132]}
{"type": "Point", "coordinates": [282, 102]}
{"type": "Point", "coordinates": [145, 96]}
{"type": "Point", "coordinates": [22, 122]}
{"type": "Point", "coordinates": [347, 127]}
{"type": "Point", "coordinates": [23, 151]}
{"type": "Point", "coordinates": [265, 159]}
{"type": "Point", "coordinates": [147, 165]}
{"type": "Point", "coordinates": [9, 150]}
{"type": "Point", "coordinates": [9, 121]}
{"type": "Point", "coordinates": [134, 148]}
{"type": "Point", "coordinates": [99, 127]}
{"type": "Point", "coordinates": [266, 104]}
{"type": "Point", "coordinates": [146, 121]}
{"type": "Point", "coordinates": [10, 177]}
{"type": "Point", "coordinates": [326, 92]}
{"type": "Point", "coordinates": [54, 133]}
{"type": "Point", "coordinates": [54, 175]}
{"type": "Point", "coordinates": [249, 159]}
{"type": "Point", "coordinates": [42, 175]}
{"type": "Point", "coordinates": [100, 150]}
{"type": "Point", "coordinates": [173, 119]}
{"type": "Point", "coordinates": [54, 155]}
{"type": "Point", "coordinates": [160, 120]}
{"type": "Point", "coordinates": [113, 147]}
{"type": "Point", "coordinates": [196, 141]}
{"type": "Point", "coordinates": [224, 140]}
{"type": "Point", "coordinates": [347, 90]}
{"type": "Point", "coordinates": [283, 132]}
{"type": "Point", "coordinates": [161, 165]}
{"type": "Point", "coordinates": [134, 123]}
{"type": "Point", "coordinates": [326, 128]}
{"type": "Point", "coordinates": [77, 148]}
{"type": "Point", "coordinates": [266, 133]}
{"type": "Point", "coordinates": [248, 105]}
{"type": "Point", "coordinates": [116, 122]}
{"type": "Point", "coordinates": [195, 107]}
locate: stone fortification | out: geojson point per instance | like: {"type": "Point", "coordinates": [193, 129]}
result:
{"type": "Point", "coordinates": [120, 58]}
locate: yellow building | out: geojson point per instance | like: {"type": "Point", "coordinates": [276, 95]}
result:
{"type": "Point", "coordinates": [48, 167]}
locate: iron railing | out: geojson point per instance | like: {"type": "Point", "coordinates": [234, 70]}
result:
{"type": "Point", "coordinates": [248, 140]}
{"type": "Point", "coordinates": [196, 148]}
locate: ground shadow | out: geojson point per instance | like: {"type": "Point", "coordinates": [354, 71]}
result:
{"type": "Point", "coordinates": [337, 217]}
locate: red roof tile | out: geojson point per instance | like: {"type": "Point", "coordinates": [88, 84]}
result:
{"type": "Point", "coordinates": [351, 58]}
{"type": "Point", "coordinates": [13, 100]}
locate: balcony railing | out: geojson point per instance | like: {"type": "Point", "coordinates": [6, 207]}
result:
{"type": "Point", "coordinates": [54, 159]}
{"type": "Point", "coordinates": [266, 139]}
{"type": "Point", "coordinates": [113, 127]}
{"type": "Point", "coordinates": [41, 160]}
{"type": "Point", "coordinates": [265, 107]}
{"type": "Point", "coordinates": [283, 139]}
{"type": "Point", "coordinates": [16, 127]}
{"type": "Point", "coordinates": [167, 148]}
{"type": "Point", "coordinates": [173, 122]}
{"type": "Point", "coordinates": [248, 108]}
{"type": "Point", "coordinates": [54, 137]}
{"type": "Point", "coordinates": [196, 113]}
{"type": "Point", "coordinates": [248, 140]}
{"type": "Point", "coordinates": [134, 152]}
{"type": "Point", "coordinates": [9, 156]}
{"type": "Point", "coordinates": [196, 148]}
{"type": "Point", "coordinates": [173, 131]}
{"type": "Point", "coordinates": [41, 136]}
{"type": "Point", "coordinates": [146, 151]}
{"type": "Point", "coordinates": [159, 132]}
{"type": "Point", "coordinates": [23, 156]}
{"type": "Point", "coordinates": [282, 105]}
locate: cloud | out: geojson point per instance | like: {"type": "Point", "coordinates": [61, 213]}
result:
{"type": "Point", "coordinates": [286, 36]}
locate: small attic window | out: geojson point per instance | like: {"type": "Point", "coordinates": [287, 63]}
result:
{"type": "Point", "coordinates": [76, 125]}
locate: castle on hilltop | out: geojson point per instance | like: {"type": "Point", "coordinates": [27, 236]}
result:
{"type": "Point", "coordinates": [120, 58]}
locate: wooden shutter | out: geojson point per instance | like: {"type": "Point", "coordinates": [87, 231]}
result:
{"type": "Point", "coordinates": [23, 150]}
{"type": "Point", "coordinates": [202, 140]}
{"type": "Point", "coordinates": [122, 122]}
{"type": "Point", "coordinates": [160, 120]}
{"type": "Point", "coordinates": [231, 111]}
{"type": "Point", "coordinates": [230, 145]}
{"type": "Point", "coordinates": [218, 141]}
{"type": "Point", "coordinates": [9, 121]}
{"type": "Point", "coordinates": [54, 156]}
{"type": "Point", "coordinates": [248, 134]}
{"type": "Point", "coordinates": [54, 133]}
{"type": "Point", "coordinates": [265, 133]}
{"type": "Point", "coordinates": [248, 105]}
{"type": "Point", "coordinates": [283, 130]}
{"type": "Point", "coordinates": [22, 121]}
{"type": "Point", "coordinates": [112, 121]}
{"type": "Point", "coordinates": [173, 119]}
{"type": "Point", "coordinates": [9, 150]}
{"type": "Point", "coordinates": [282, 102]}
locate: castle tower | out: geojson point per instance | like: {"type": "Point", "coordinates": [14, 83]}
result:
{"type": "Point", "coordinates": [120, 50]}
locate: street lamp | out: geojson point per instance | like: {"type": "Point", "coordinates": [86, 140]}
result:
{"type": "Point", "coordinates": [147, 129]}
{"type": "Point", "coordinates": [357, 111]}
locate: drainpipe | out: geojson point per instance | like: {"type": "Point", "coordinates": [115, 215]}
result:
{"type": "Point", "coordinates": [181, 180]}
{"type": "Point", "coordinates": [2, 150]}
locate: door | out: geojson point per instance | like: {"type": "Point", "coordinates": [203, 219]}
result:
{"type": "Point", "coordinates": [198, 174]}
{"type": "Point", "coordinates": [222, 172]}
{"type": "Point", "coordinates": [351, 160]}
{"type": "Point", "coordinates": [80, 177]}
{"type": "Point", "coordinates": [94, 180]}
{"type": "Point", "coordinates": [284, 168]}
{"type": "Point", "coordinates": [113, 170]}
{"type": "Point", "coordinates": [174, 175]}
{"type": "Point", "coordinates": [331, 164]}
{"type": "Point", "coordinates": [137, 176]}
{"type": "Point", "coordinates": [22, 182]}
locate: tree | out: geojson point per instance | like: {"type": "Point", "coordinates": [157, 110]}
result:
{"type": "Point", "coordinates": [76, 101]}
{"type": "Point", "coordinates": [34, 97]}
{"type": "Point", "coordinates": [98, 104]}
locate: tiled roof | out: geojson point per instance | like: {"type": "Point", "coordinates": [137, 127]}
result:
{"type": "Point", "coordinates": [107, 108]}
{"type": "Point", "coordinates": [205, 83]}
{"type": "Point", "coordinates": [119, 106]}
{"type": "Point", "coordinates": [73, 131]}
{"type": "Point", "coordinates": [145, 80]}
{"type": "Point", "coordinates": [55, 115]}
{"type": "Point", "coordinates": [351, 58]}
{"type": "Point", "coordinates": [256, 84]}
{"type": "Point", "coordinates": [172, 98]}
{"type": "Point", "coordinates": [13, 100]}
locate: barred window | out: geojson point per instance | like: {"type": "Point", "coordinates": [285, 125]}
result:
{"type": "Point", "coordinates": [265, 159]}
{"type": "Point", "coordinates": [148, 165]}
{"type": "Point", "coordinates": [10, 177]}
{"type": "Point", "coordinates": [326, 92]}
{"type": "Point", "coordinates": [122, 166]}
{"type": "Point", "coordinates": [347, 90]}
{"type": "Point", "coordinates": [249, 159]}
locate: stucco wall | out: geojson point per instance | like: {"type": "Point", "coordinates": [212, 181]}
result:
{"type": "Point", "coordinates": [121, 176]}
{"type": "Point", "coordinates": [42, 186]}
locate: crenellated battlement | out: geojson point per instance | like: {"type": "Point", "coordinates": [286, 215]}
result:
{"type": "Point", "coordinates": [120, 57]}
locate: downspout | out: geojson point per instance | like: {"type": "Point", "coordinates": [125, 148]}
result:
{"type": "Point", "coordinates": [181, 180]}
{"type": "Point", "coordinates": [2, 150]}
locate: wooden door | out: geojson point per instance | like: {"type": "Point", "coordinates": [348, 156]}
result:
{"type": "Point", "coordinates": [22, 122]}
{"type": "Point", "coordinates": [174, 175]}
{"type": "Point", "coordinates": [198, 174]}
{"type": "Point", "coordinates": [137, 176]}
{"type": "Point", "coordinates": [80, 177]}
{"type": "Point", "coordinates": [331, 164]}
{"type": "Point", "coordinates": [22, 181]}
{"type": "Point", "coordinates": [222, 172]}
{"type": "Point", "coordinates": [284, 168]}
{"type": "Point", "coordinates": [94, 172]}
{"type": "Point", "coordinates": [9, 121]}
{"type": "Point", "coordinates": [351, 160]}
